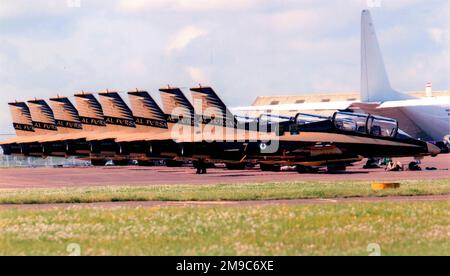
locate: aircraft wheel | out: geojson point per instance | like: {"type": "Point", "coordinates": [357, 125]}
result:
{"type": "Point", "coordinates": [235, 167]}
{"type": "Point", "coordinates": [305, 169]}
{"type": "Point", "coordinates": [173, 163]}
{"type": "Point", "coordinates": [414, 166]}
{"type": "Point", "coordinates": [200, 165]}
{"type": "Point", "coordinates": [336, 168]}
{"type": "Point", "coordinates": [125, 162]}
{"type": "Point", "coordinates": [371, 164]}
{"type": "Point", "coordinates": [270, 168]}
{"type": "Point", "coordinates": [98, 162]}
{"type": "Point", "coordinates": [146, 163]}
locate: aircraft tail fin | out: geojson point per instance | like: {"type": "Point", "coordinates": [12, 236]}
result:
{"type": "Point", "coordinates": [176, 106]}
{"type": "Point", "coordinates": [42, 117]}
{"type": "Point", "coordinates": [21, 117]}
{"type": "Point", "coordinates": [90, 112]}
{"type": "Point", "coordinates": [375, 85]}
{"type": "Point", "coordinates": [212, 106]}
{"type": "Point", "coordinates": [116, 112]}
{"type": "Point", "coordinates": [66, 115]}
{"type": "Point", "coordinates": [146, 111]}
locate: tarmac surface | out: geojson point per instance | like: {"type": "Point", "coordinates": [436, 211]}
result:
{"type": "Point", "coordinates": [142, 176]}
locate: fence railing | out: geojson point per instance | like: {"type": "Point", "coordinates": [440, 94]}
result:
{"type": "Point", "coordinates": [33, 162]}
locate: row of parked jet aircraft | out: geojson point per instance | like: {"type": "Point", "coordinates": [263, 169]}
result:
{"type": "Point", "coordinates": [207, 132]}
{"type": "Point", "coordinates": [108, 129]}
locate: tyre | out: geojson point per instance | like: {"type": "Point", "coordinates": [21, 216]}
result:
{"type": "Point", "coordinates": [146, 163]}
{"type": "Point", "coordinates": [305, 169]}
{"type": "Point", "coordinates": [173, 163]}
{"type": "Point", "coordinates": [414, 166]}
{"type": "Point", "coordinates": [125, 162]}
{"type": "Point", "coordinates": [336, 168]}
{"type": "Point", "coordinates": [98, 162]}
{"type": "Point", "coordinates": [270, 168]}
{"type": "Point", "coordinates": [235, 166]}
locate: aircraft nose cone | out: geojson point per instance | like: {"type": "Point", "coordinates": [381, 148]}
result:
{"type": "Point", "coordinates": [433, 150]}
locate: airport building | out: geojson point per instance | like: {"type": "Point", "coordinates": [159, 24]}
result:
{"type": "Point", "coordinates": [325, 98]}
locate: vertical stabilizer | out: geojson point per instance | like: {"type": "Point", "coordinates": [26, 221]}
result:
{"type": "Point", "coordinates": [147, 113]}
{"type": "Point", "coordinates": [212, 107]}
{"type": "Point", "coordinates": [42, 117]}
{"type": "Point", "coordinates": [67, 118]}
{"type": "Point", "coordinates": [90, 112]}
{"type": "Point", "coordinates": [177, 107]}
{"type": "Point", "coordinates": [116, 112]}
{"type": "Point", "coordinates": [21, 117]}
{"type": "Point", "coordinates": [375, 85]}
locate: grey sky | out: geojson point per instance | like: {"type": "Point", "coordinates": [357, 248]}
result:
{"type": "Point", "coordinates": [243, 48]}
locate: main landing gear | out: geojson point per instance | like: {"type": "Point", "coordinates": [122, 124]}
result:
{"type": "Point", "coordinates": [372, 163]}
{"type": "Point", "coordinates": [200, 165]}
{"type": "Point", "coordinates": [98, 162]}
{"type": "Point", "coordinates": [414, 166]}
{"type": "Point", "coordinates": [306, 169]}
{"type": "Point", "coordinates": [235, 166]}
{"type": "Point", "coordinates": [270, 167]}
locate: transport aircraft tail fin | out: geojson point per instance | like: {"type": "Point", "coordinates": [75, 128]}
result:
{"type": "Point", "coordinates": [116, 112]}
{"type": "Point", "coordinates": [66, 115]}
{"type": "Point", "coordinates": [177, 107]}
{"type": "Point", "coordinates": [42, 117]}
{"type": "Point", "coordinates": [375, 85]}
{"type": "Point", "coordinates": [212, 107]}
{"type": "Point", "coordinates": [146, 111]}
{"type": "Point", "coordinates": [21, 117]}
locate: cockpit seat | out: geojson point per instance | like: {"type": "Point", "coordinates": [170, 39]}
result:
{"type": "Point", "coordinates": [375, 130]}
{"type": "Point", "coordinates": [361, 129]}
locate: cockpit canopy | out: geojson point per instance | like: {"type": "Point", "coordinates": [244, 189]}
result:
{"type": "Point", "coordinates": [303, 119]}
{"type": "Point", "coordinates": [274, 118]}
{"type": "Point", "coordinates": [344, 121]}
{"type": "Point", "coordinates": [263, 118]}
{"type": "Point", "coordinates": [245, 119]}
{"type": "Point", "coordinates": [365, 124]}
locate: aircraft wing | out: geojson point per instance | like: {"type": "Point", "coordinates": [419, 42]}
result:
{"type": "Point", "coordinates": [398, 110]}
{"type": "Point", "coordinates": [338, 105]}
{"type": "Point", "coordinates": [432, 101]}
{"type": "Point", "coordinates": [344, 105]}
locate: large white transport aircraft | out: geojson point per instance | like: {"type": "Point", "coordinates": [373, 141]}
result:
{"type": "Point", "coordinates": [426, 118]}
